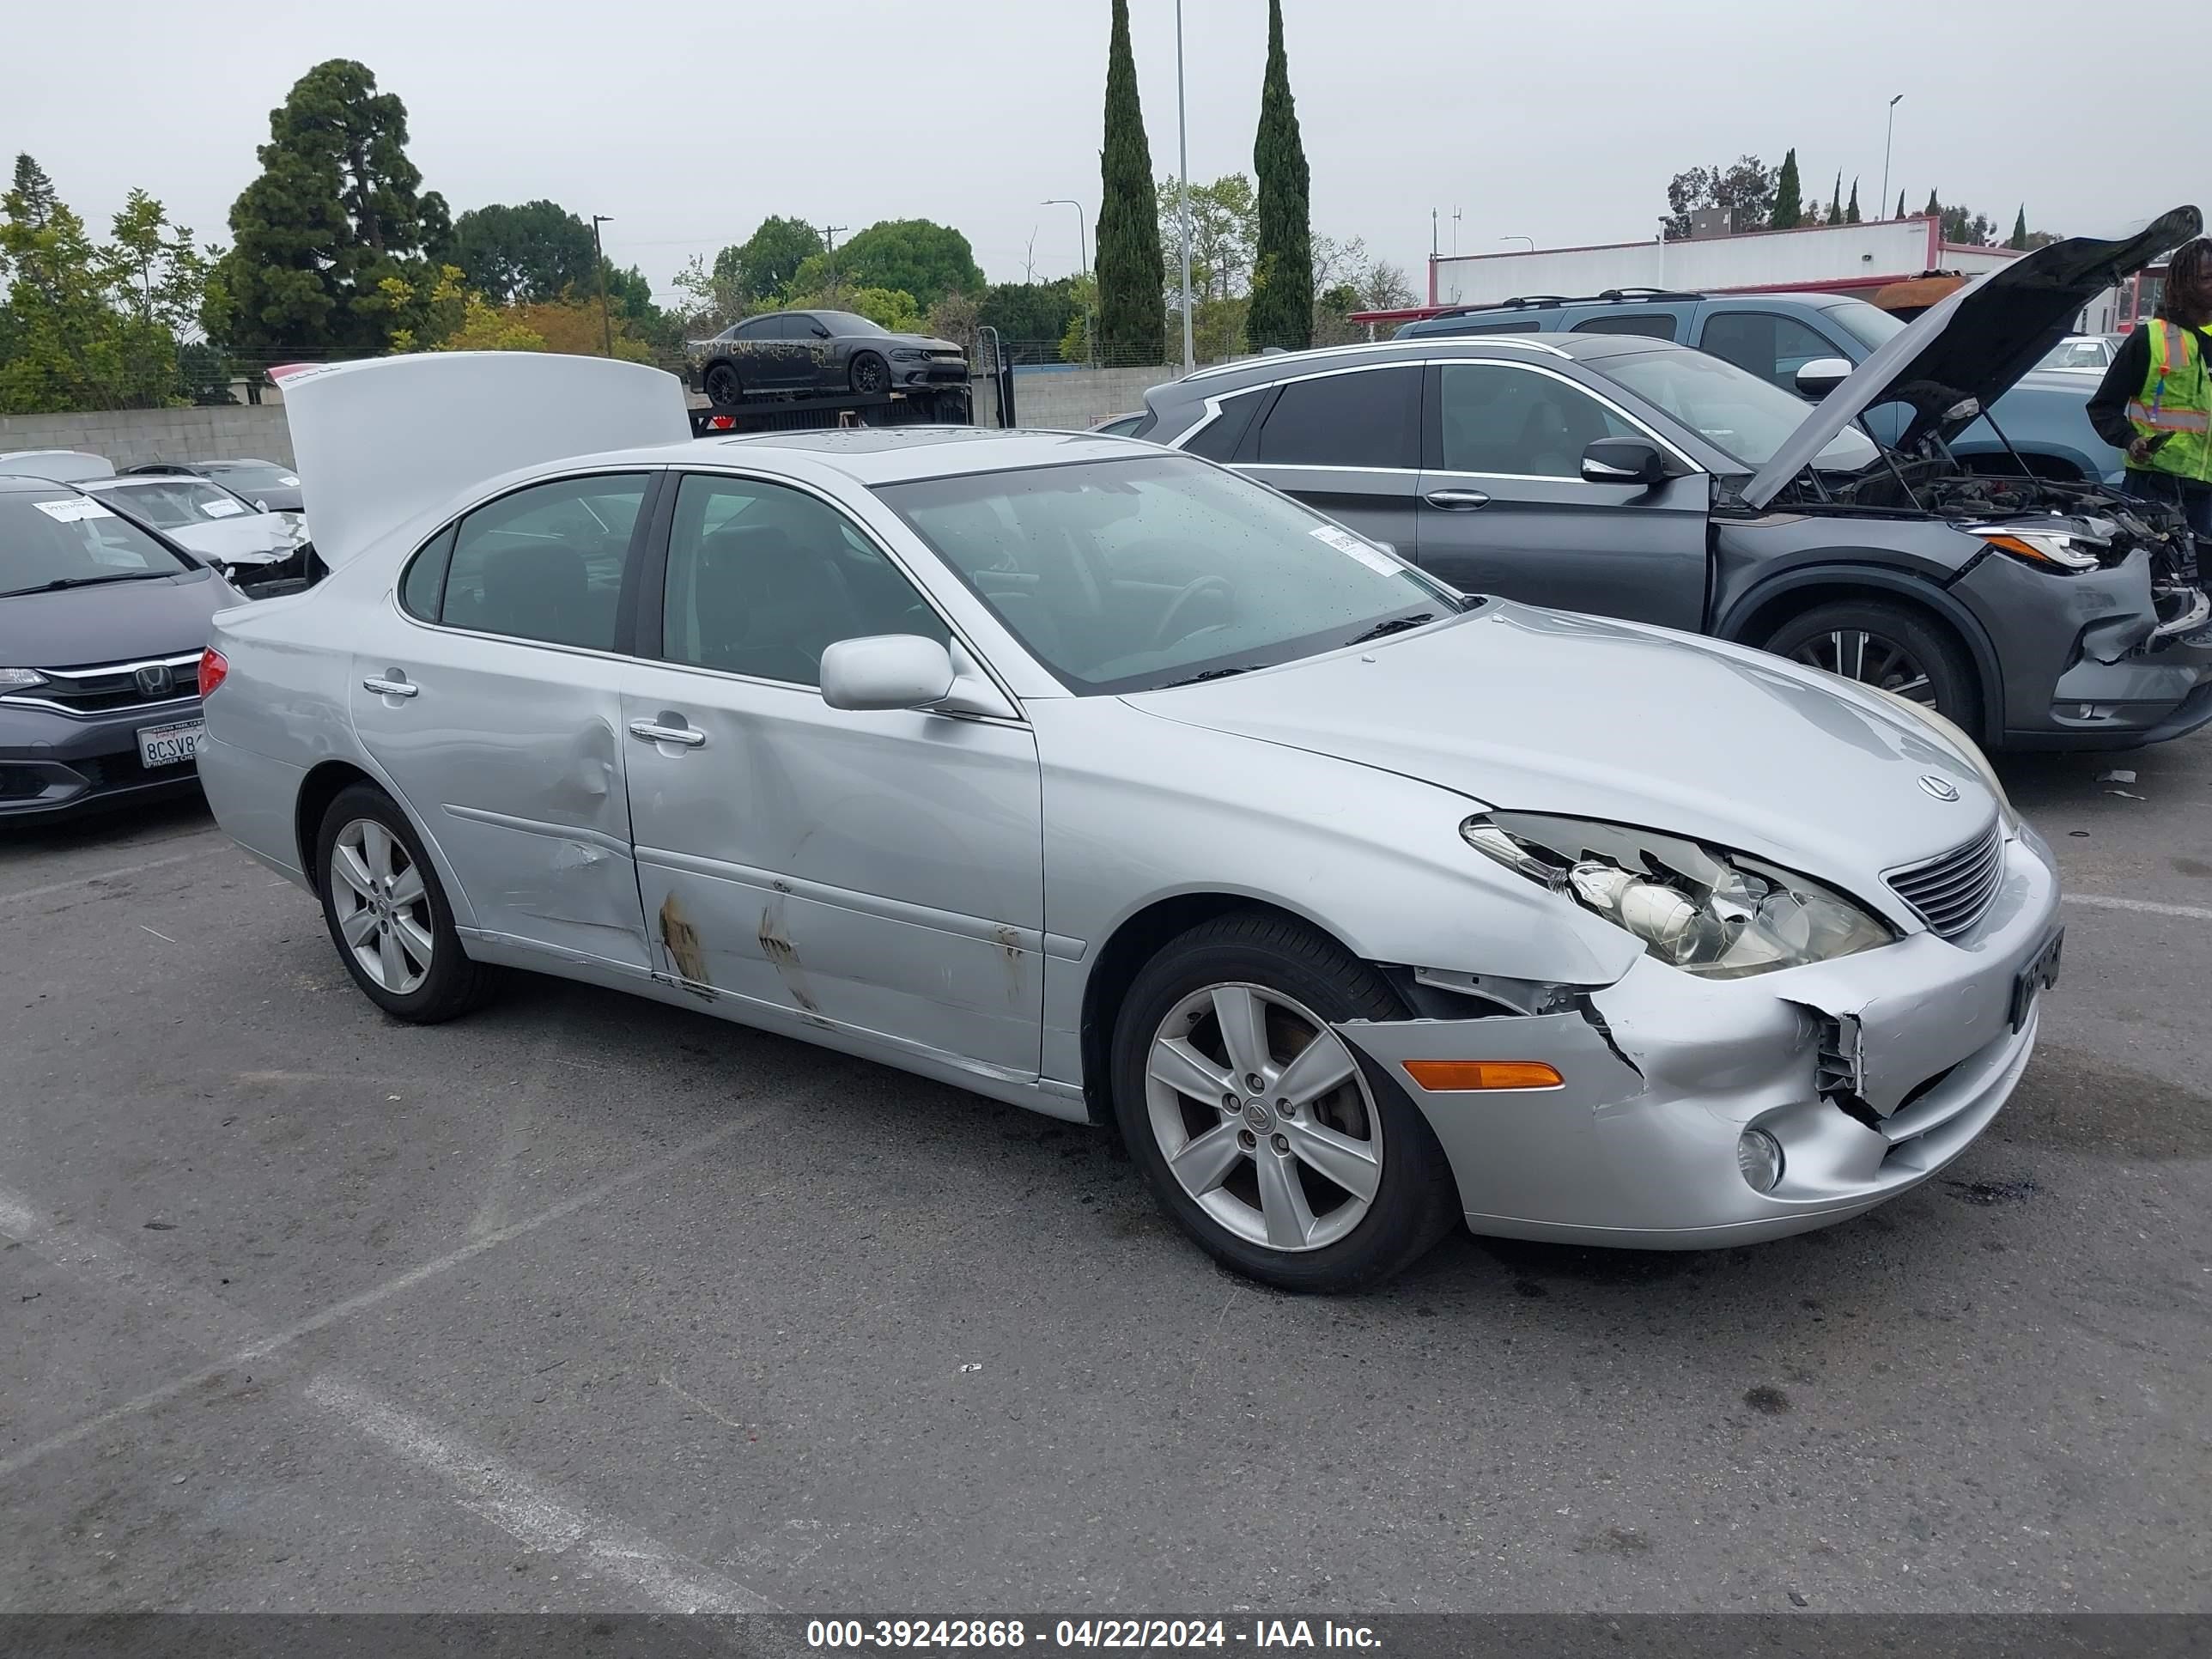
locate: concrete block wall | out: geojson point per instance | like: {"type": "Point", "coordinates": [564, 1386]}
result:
{"type": "Point", "coordinates": [1079, 398]}
{"type": "Point", "coordinates": [128, 436]}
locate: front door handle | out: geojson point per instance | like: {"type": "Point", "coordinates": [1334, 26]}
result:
{"type": "Point", "coordinates": [1456, 501]}
{"type": "Point", "coordinates": [652, 732]}
{"type": "Point", "coordinates": [392, 688]}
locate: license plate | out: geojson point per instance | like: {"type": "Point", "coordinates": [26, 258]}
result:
{"type": "Point", "coordinates": [169, 745]}
{"type": "Point", "coordinates": [2040, 973]}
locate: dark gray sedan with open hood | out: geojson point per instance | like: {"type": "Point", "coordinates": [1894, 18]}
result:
{"type": "Point", "coordinates": [1628, 477]}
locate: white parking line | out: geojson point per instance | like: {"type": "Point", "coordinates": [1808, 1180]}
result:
{"type": "Point", "coordinates": [515, 1503]}
{"type": "Point", "coordinates": [2095, 902]}
{"type": "Point", "coordinates": [286, 1335]}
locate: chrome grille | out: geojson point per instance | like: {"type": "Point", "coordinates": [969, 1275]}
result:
{"type": "Point", "coordinates": [1952, 892]}
{"type": "Point", "coordinates": [112, 686]}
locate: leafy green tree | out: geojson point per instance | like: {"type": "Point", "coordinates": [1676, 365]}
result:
{"type": "Point", "coordinates": [1746, 188]}
{"type": "Point", "coordinates": [1026, 314]}
{"type": "Point", "coordinates": [1967, 229]}
{"type": "Point", "coordinates": [1132, 275]}
{"type": "Point", "coordinates": [923, 260]}
{"type": "Point", "coordinates": [1851, 207]}
{"type": "Point", "coordinates": [523, 254]}
{"type": "Point", "coordinates": [767, 262]}
{"type": "Point", "coordinates": [1282, 268]}
{"type": "Point", "coordinates": [2019, 239]}
{"type": "Point", "coordinates": [1789, 197]}
{"type": "Point", "coordinates": [1225, 234]}
{"type": "Point", "coordinates": [337, 213]}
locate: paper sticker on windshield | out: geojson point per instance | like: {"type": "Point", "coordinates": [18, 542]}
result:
{"type": "Point", "coordinates": [1344, 542]}
{"type": "Point", "coordinates": [69, 512]}
{"type": "Point", "coordinates": [221, 507]}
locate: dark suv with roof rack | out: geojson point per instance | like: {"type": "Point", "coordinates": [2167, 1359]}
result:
{"type": "Point", "coordinates": [2045, 416]}
{"type": "Point", "coordinates": [1625, 477]}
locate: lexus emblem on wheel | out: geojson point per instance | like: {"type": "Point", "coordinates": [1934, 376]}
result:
{"type": "Point", "coordinates": [155, 678]}
{"type": "Point", "coordinates": [1942, 788]}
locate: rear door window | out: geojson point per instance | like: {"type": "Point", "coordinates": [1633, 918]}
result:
{"type": "Point", "coordinates": [1502, 419]}
{"type": "Point", "coordinates": [1363, 418]}
{"type": "Point", "coordinates": [547, 563]}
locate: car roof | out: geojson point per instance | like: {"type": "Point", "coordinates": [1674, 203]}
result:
{"type": "Point", "coordinates": [11, 482]}
{"type": "Point", "coordinates": [1530, 348]}
{"type": "Point", "coordinates": [895, 454]}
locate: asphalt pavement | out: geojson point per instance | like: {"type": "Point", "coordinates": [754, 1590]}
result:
{"type": "Point", "coordinates": [586, 1303]}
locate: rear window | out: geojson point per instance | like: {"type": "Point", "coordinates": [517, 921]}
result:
{"type": "Point", "coordinates": [58, 538]}
{"type": "Point", "coordinates": [1652, 325]}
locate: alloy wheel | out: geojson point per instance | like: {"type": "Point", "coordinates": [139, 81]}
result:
{"type": "Point", "coordinates": [382, 906]}
{"type": "Point", "coordinates": [1264, 1117]}
{"type": "Point", "coordinates": [1869, 659]}
{"type": "Point", "coordinates": [869, 376]}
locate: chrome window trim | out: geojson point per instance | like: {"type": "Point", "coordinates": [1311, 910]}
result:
{"type": "Point", "coordinates": [1597, 397]}
{"type": "Point", "coordinates": [1418, 343]}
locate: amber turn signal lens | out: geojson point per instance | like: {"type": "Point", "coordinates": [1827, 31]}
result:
{"type": "Point", "coordinates": [1442, 1076]}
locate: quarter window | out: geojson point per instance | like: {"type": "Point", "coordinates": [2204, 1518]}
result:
{"type": "Point", "coordinates": [545, 563]}
{"type": "Point", "coordinates": [1498, 418]}
{"type": "Point", "coordinates": [1653, 325]}
{"type": "Point", "coordinates": [1217, 439]}
{"type": "Point", "coordinates": [1770, 346]}
{"type": "Point", "coordinates": [762, 578]}
{"type": "Point", "coordinates": [424, 585]}
{"type": "Point", "coordinates": [1365, 418]}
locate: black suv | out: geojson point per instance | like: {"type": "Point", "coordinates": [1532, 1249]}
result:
{"type": "Point", "coordinates": [1619, 475]}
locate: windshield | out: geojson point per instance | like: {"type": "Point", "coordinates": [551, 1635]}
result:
{"type": "Point", "coordinates": [2076, 354]}
{"type": "Point", "coordinates": [1733, 411]}
{"type": "Point", "coordinates": [848, 322]}
{"type": "Point", "coordinates": [246, 477]}
{"type": "Point", "coordinates": [1870, 325]}
{"type": "Point", "coordinates": [1126, 576]}
{"type": "Point", "coordinates": [173, 504]}
{"type": "Point", "coordinates": [51, 537]}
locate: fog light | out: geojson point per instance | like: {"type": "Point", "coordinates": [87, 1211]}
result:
{"type": "Point", "coordinates": [1759, 1155]}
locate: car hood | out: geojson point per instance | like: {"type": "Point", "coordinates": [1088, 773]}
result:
{"type": "Point", "coordinates": [115, 621]}
{"type": "Point", "coordinates": [244, 539]}
{"type": "Point", "coordinates": [928, 342]}
{"type": "Point", "coordinates": [385, 440]}
{"type": "Point", "coordinates": [1968, 349]}
{"type": "Point", "coordinates": [1543, 711]}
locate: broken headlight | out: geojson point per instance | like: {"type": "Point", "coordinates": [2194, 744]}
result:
{"type": "Point", "coordinates": [2069, 552]}
{"type": "Point", "coordinates": [1719, 915]}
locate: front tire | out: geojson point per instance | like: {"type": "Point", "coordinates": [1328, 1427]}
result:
{"type": "Point", "coordinates": [1886, 646]}
{"type": "Point", "coordinates": [387, 914]}
{"type": "Point", "coordinates": [871, 374]}
{"type": "Point", "coordinates": [1260, 1132]}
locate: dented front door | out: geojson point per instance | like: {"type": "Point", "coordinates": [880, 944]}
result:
{"type": "Point", "coordinates": [879, 871]}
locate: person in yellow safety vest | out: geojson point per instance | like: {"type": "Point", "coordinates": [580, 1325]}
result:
{"type": "Point", "coordinates": [2155, 401]}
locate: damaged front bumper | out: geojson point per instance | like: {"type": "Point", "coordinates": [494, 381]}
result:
{"type": "Point", "coordinates": [1872, 1071]}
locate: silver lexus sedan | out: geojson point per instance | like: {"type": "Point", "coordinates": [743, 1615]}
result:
{"type": "Point", "coordinates": [1102, 781]}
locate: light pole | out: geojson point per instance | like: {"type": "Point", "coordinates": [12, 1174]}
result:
{"type": "Point", "coordinates": [1529, 240]}
{"type": "Point", "coordinates": [1083, 247]}
{"type": "Point", "coordinates": [606, 324]}
{"type": "Point", "coordinates": [1182, 193]}
{"type": "Point", "coordinates": [1889, 131]}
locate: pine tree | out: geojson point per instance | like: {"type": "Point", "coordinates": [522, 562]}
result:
{"type": "Point", "coordinates": [1836, 202]}
{"type": "Point", "coordinates": [2020, 229]}
{"type": "Point", "coordinates": [1282, 272]}
{"type": "Point", "coordinates": [1789, 203]}
{"type": "Point", "coordinates": [337, 214]}
{"type": "Point", "coordinates": [1132, 276]}
{"type": "Point", "coordinates": [1851, 208]}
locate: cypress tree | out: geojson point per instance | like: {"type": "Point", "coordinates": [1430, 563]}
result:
{"type": "Point", "coordinates": [2020, 229]}
{"type": "Point", "coordinates": [1851, 207]}
{"type": "Point", "coordinates": [1132, 278]}
{"type": "Point", "coordinates": [1836, 202]}
{"type": "Point", "coordinates": [1789, 198]}
{"type": "Point", "coordinates": [1282, 269]}
{"type": "Point", "coordinates": [1935, 207]}
{"type": "Point", "coordinates": [1900, 205]}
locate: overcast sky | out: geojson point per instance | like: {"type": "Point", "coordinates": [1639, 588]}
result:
{"type": "Point", "coordinates": [689, 123]}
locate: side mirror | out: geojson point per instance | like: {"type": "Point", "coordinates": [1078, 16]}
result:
{"type": "Point", "coordinates": [885, 671]}
{"type": "Point", "coordinates": [1624, 461]}
{"type": "Point", "coordinates": [1822, 375]}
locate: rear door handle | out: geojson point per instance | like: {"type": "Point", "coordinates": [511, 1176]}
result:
{"type": "Point", "coordinates": [385, 688]}
{"type": "Point", "coordinates": [654, 732]}
{"type": "Point", "coordinates": [1456, 501]}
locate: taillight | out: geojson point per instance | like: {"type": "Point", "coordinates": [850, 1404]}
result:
{"type": "Point", "coordinates": [214, 667]}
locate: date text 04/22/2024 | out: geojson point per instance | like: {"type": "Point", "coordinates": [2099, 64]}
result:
{"type": "Point", "coordinates": [945, 1634]}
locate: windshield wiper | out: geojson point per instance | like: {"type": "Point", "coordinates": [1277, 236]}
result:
{"type": "Point", "coordinates": [1393, 625]}
{"type": "Point", "coordinates": [1215, 674]}
{"type": "Point", "coordinates": [61, 582]}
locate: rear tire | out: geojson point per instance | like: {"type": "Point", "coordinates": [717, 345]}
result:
{"type": "Point", "coordinates": [1252, 1183]}
{"type": "Point", "coordinates": [386, 912]}
{"type": "Point", "coordinates": [1889, 646]}
{"type": "Point", "coordinates": [722, 386]}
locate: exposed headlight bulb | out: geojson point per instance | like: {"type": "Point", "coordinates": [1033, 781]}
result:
{"type": "Point", "coordinates": [1661, 917]}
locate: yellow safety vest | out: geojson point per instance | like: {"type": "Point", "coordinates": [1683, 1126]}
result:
{"type": "Point", "coordinates": [2176, 397]}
